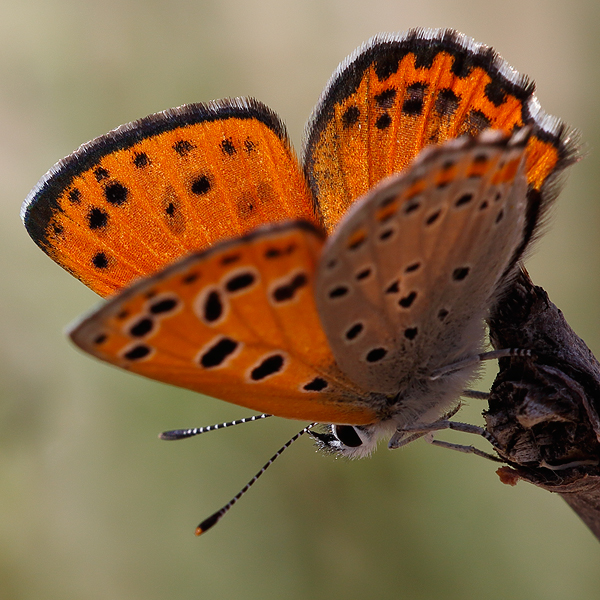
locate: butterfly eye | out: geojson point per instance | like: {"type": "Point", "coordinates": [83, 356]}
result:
{"type": "Point", "coordinates": [349, 441]}
{"type": "Point", "coordinates": [347, 435]}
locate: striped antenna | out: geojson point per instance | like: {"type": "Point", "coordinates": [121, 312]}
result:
{"type": "Point", "coordinates": [216, 517]}
{"type": "Point", "coordinates": [180, 434]}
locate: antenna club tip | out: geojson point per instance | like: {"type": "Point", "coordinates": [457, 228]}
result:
{"type": "Point", "coordinates": [174, 434]}
{"type": "Point", "coordinates": [208, 523]}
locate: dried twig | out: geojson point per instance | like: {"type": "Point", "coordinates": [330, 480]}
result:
{"type": "Point", "coordinates": [543, 411]}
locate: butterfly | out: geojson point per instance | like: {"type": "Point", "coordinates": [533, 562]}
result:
{"type": "Point", "coordinates": [349, 290]}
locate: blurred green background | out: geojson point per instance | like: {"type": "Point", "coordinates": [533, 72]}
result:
{"type": "Point", "coordinates": [92, 504]}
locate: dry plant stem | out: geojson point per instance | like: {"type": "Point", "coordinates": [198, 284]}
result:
{"type": "Point", "coordinates": [543, 411]}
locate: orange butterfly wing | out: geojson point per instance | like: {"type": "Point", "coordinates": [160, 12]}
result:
{"type": "Point", "coordinates": [237, 322]}
{"type": "Point", "coordinates": [130, 202]}
{"type": "Point", "coordinates": [399, 93]}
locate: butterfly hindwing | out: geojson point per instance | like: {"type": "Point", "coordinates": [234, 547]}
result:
{"type": "Point", "coordinates": [237, 322]}
{"type": "Point", "coordinates": [135, 199]}
{"type": "Point", "coordinates": [398, 93]}
{"type": "Point", "coordinates": [405, 279]}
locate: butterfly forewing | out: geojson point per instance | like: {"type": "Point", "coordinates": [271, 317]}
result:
{"type": "Point", "coordinates": [405, 279]}
{"type": "Point", "coordinates": [134, 200]}
{"type": "Point", "coordinates": [237, 322]}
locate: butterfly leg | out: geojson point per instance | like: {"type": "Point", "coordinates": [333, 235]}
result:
{"type": "Point", "coordinates": [423, 429]}
{"type": "Point", "coordinates": [477, 358]}
{"type": "Point", "coordinates": [446, 424]}
{"type": "Point", "coordinates": [442, 444]}
{"type": "Point", "coordinates": [461, 448]}
{"type": "Point", "coordinates": [475, 394]}
{"type": "Point", "coordinates": [399, 438]}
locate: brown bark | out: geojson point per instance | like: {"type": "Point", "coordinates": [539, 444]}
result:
{"type": "Point", "coordinates": [543, 411]}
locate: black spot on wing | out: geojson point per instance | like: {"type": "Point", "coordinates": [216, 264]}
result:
{"type": "Point", "coordinates": [190, 278]}
{"type": "Point", "coordinates": [137, 352]}
{"type": "Point", "coordinates": [413, 101]}
{"type": "Point", "coordinates": [100, 173]}
{"type": "Point", "coordinates": [74, 196]}
{"type": "Point", "coordinates": [227, 147]}
{"type": "Point", "coordinates": [97, 218]}
{"type": "Point", "coordinates": [213, 307]}
{"type": "Point", "coordinates": [338, 292]}
{"type": "Point", "coordinates": [354, 331]}
{"type": "Point", "coordinates": [287, 291]}
{"type": "Point", "coordinates": [363, 274]}
{"type": "Point", "coordinates": [460, 273]}
{"type": "Point", "coordinates": [183, 147]}
{"type": "Point", "coordinates": [411, 207]}
{"type": "Point", "coordinates": [386, 98]}
{"type": "Point", "coordinates": [446, 102]}
{"type": "Point", "coordinates": [100, 260]}
{"type": "Point", "coordinates": [229, 259]}
{"type": "Point", "coordinates": [116, 193]}
{"type": "Point", "coordinates": [278, 252]}
{"type": "Point", "coordinates": [406, 301]}
{"type": "Point", "coordinates": [269, 366]}
{"type": "Point", "coordinates": [160, 307]}
{"type": "Point", "coordinates": [200, 185]}
{"type": "Point", "coordinates": [142, 327]}
{"type": "Point", "coordinates": [463, 200]}
{"type": "Point", "coordinates": [384, 121]}
{"type": "Point", "coordinates": [240, 282]}
{"type": "Point", "coordinates": [318, 384]}
{"type": "Point", "coordinates": [475, 122]}
{"type": "Point", "coordinates": [141, 160]}
{"type": "Point", "coordinates": [410, 333]}
{"type": "Point", "coordinates": [431, 219]}
{"type": "Point", "coordinates": [350, 117]}
{"type": "Point", "coordinates": [218, 353]}
{"type": "Point", "coordinates": [393, 288]}
{"type": "Point", "coordinates": [386, 234]}
{"type": "Point", "coordinates": [376, 354]}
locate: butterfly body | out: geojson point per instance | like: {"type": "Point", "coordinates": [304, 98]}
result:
{"type": "Point", "coordinates": [331, 292]}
